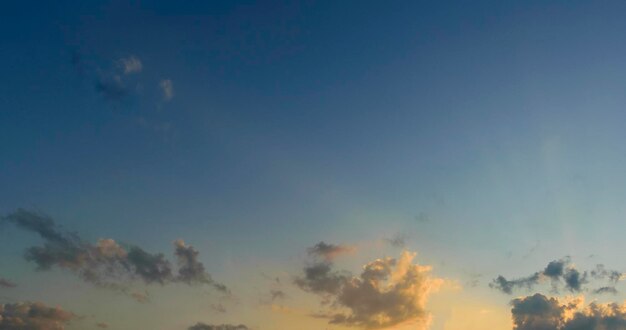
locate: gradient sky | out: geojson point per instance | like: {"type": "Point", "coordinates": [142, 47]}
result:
{"type": "Point", "coordinates": [487, 136]}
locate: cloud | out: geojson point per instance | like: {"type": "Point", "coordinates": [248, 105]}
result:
{"type": "Point", "coordinates": [204, 326]}
{"type": "Point", "coordinates": [320, 278]}
{"type": "Point", "coordinates": [329, 251]}
{"type": "Point", "coordinates": [277, 294]}
{"type": "Point", "coordinates": [605, 289]}
{"type": "Point", "coordinates": [574, 280]}
{"type": "Point", "coordinates": [218, 308]}
{"type": "Point", "coordinates": [601, 273]}
{"type": "Point", "coordinates": [140, 297]}
{"type": "Point", "coordinates": [106, 263]}
{"type": "Point", "coordinates": [538, 312]}
{"type": "Point", "coordinates": [4, 283]}
{"type": "Point", "coordinates": [130, 64]}
{"type": "Point", "coordinates": [398, 241]}
{"type": "Point", "coordinates": [559, 272]}
{"type": "Point", "coordinates": [167, 89]}
{"type": "Point", "coordinates": [191, 270]}
{"type": "Point", "coordinates": [33, 316]}
{"type": "Point", "coordinates": [112, 88]}
{"type": "Point", "coordinates": [507, 286]}
{"type": "Point", "coordinates": [388, 292]}
{"type": "Point", "coordinates": [102, 325]}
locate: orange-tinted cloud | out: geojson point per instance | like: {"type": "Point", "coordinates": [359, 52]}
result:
{"type": "Point", "coordinates": [388, 292]}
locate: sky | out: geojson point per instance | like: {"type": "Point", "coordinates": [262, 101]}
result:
{"type": "Point", "coordinates": [269, 165]}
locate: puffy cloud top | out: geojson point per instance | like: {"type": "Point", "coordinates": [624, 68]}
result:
{"type": "Point", "coordinates": [388, 292]}
{"type": "Point", "coordinates": [538, 312]}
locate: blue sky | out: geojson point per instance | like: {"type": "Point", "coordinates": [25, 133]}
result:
{"type": "Point", "coordinates": [488, 135]}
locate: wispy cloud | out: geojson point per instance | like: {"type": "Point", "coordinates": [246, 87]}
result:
{"type": "Point", "coordinates": [112, 88]}
{"type": "Point", "coordinates": [107, 263]}
{"type": "Point", "coordinates": [330, 251]}
{"type": "Point", "coordinates": [33, 316]}
{"type": "Point", "coordinates": [4, 283]}
{"type": "Point", "coordinates": [130, 64]}
{"type": "Point", "coordinates": [167, 89]}
{"type": "Point", "coordinates": [397, 241]}
{"type": "Point", "coordinates": [559, 272]}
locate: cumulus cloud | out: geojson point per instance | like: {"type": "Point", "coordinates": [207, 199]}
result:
{"type": "Point", "coordinates": [538, 312]}
{"type": "Point", "coordinates": [204, 326]}
{"type": "Point", "coordinates": [130, 64]}
{"type": "Point", "coordinates": [329, 251]}
{"type": "Point", "coordinates": [388, 292]}
{"type": "Point", "coordinates": [33, 316]}
{"type": "Point", "coordinates": [167, 89]}
{"type": "Point", "coordinates": [320, 278]}
{"type": "Point", "coordinates": [4, 283]}
{"type": "Point", "coordinates": [558, 272]}
{"type": "Point", "coordinates": [106, 263]}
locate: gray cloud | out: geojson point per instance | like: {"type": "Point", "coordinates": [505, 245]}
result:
{"type": "Point", "coordinates": [329, 251]}
{"type": "Point", "coordinates": [574, 280]}
{"type": "Point", "coordinates": [398, 241]}
{"type": "Point", "coordinates": [277, 294]}
{"type": "Point", "coordinates": [598, 317]}
{"type": "Point", "coordinates": [102, 325]}
{"type": "Point", "coordinates": [33, 316]}
{"type": "Point", "coordinates": [4, 283]}
{"type": "Point", "coordinates": [204, 326]}
{"type": "Point", "coordinates": [559, 272]}
{"type": "Point", "coordinates": [112, 88]}
{"type": "Point", "coordinates": [539, 312]}
{"type": "Point", "coordinates": [320, 278]}
{"type": "Point", "coordinates": [602, 273]}
{"type": "Point", "coordinates": [388, 292]}
{"type": "Point", "coordinates": [605, 289]}
{"type": "Point", "coordinates": [507, 286]}
{"type": "Point", "coordinates": [218, 308]}
{"type": "Point", "coordinates": [106, 263]}
{"type": "Point", "coordinates": [191, 270]}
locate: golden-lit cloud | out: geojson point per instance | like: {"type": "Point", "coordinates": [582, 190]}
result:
{"type": "Point", "coordinates": [388, 292]}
